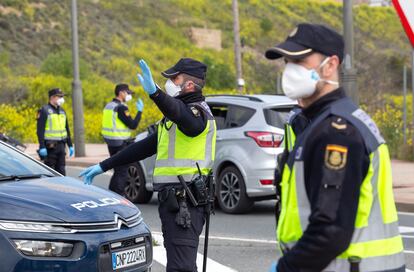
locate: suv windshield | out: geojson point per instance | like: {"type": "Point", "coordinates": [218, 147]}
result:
{"type": "Point", "coordinates": [276, 116]}
{"type": "Point", "coordinates": [15, 164]}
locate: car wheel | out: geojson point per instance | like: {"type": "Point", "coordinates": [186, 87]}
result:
{"type": "Point", "coordinates": [135, 190]}
{"type": "Point", "coordinates": [231, 192]}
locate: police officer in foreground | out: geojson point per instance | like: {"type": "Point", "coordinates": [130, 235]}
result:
{"type": "Point", "coordinates": [184, 141]}
{"type": "Point", "coordinates": [53, 132]}
{"type": "Point", "coordinates": [338, 211]}
{"type": "Point", "coordinates": [117, 124]}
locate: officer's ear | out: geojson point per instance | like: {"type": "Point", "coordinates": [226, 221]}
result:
{"type": "Point", "coordinates": [330, 69]}
{"type": "Point", "coordinates": [189, 85]}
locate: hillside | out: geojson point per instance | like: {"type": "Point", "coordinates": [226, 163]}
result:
{"type": "Point", "coordinates": [35, 44]}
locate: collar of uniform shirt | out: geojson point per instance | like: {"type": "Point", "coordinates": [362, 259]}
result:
{"type": "Point", "coordinates": [191, 97]}
{"type": "Point", "coordinates": [313, 110]}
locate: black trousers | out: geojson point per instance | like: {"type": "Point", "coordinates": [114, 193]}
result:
{"type": "Point", "coordinates": [56, 153]}
{"type": "Point", "coordinates": [181, 244]}
{"type": "Point", "coordinates": [120, 176]}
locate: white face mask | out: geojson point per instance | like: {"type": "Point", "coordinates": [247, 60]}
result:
{"type": "Point", "coordinates": [299, 82]}
{"type": "Point", "coordinates": [60, 101]}
{"type": "Point", "coordinates": [171, 88]}
{"type": "Point", "coordinates": [128, 97]}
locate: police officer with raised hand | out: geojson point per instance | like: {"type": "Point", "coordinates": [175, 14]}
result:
{"type": "Point", "coordinates": [338, 211]}
{"type": "Point", "coordinates": [117, 124]}
{"type": "Point", "coordinates": [184, 142]}
{"type": "Point", "coordinates": [53, 132]}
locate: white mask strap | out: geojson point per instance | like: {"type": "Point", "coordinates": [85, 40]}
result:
{"type": "Point", "coordinates": [324, 62]}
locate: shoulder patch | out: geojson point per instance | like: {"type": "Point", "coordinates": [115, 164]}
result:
{"type": "Point", "coordinates": [364, 118]}
{"type": "Point", "coordinates": [50, 111]}
{"type": "Point", "coordinates": [339, 124]}
{"type": "Point", "coordinates": [127, 113]}
{"type": "Point", "coordinates": [335, 156]}
{"type": "Point", "coordinates": [195, 111]}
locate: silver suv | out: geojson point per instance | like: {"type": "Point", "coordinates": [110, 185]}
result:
{"type": "Point", "coordinates": [249, 137]}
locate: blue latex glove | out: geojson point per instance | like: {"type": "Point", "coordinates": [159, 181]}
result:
{"type": "Point", "coordinates": [71, 151]}
{"type": "Point", "coordinates": [273, 267]}
{"type": "Point", "coordinates": [140, 105]}
{"type": "Point", "coordinates": [146, 79]}
{"type": "Point", "coordinates": [43, 152]}
{"type": "Point", "coordinates": [90, 172]}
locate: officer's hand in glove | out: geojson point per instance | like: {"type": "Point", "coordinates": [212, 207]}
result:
{"type": "Point", "coordinates": [71, 151]}
{"type": "Point", "coordinates": [90, 172]}
{"type": "Point", "coordinates": [146, 79]}
{"type": "Point", "coordinates": [43, 152]}
{"type": "Point", "coordinates": [140, 105]}
{"type": "Point", "coordinates": [273, 267]}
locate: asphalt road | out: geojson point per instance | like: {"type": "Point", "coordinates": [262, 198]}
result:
{"type": "Point", "coordinates": [242, 242]}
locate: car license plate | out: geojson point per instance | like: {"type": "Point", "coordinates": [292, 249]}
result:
{"type": "Point", "coordinates": [128, 257]}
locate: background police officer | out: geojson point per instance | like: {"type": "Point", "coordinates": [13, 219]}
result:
{"type": "Point", "coordinates": [338, 211]}
{"type": "Point", "coordinates": [185, 135]}
{"type": "Point", "coordinates": [117, 124]}
{"type": "Point", "coordinates": [53, 132]}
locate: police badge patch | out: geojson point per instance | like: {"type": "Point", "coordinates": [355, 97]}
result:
{"type": "Point", "coordinates": [335, 156]}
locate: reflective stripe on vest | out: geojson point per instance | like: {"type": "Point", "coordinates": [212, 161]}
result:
{"type": "Point", "coordinates": [55, 129]}
{"type": "Point", "coordinates": [177, 154]}
{"type": "Point", "coordinates": [290, 136]}
{"type": "Point", "coordinates": [376, 239]}
{"type": "Point", "coordinates": [112, 127]}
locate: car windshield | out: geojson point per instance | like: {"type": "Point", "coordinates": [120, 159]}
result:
{"type": "Point", "coordinates": [14, 164]}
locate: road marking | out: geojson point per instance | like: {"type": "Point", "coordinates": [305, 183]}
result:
{"type": "Point", "coordinates": [406, 229]}
{"type": "Point", "coordinates": [233, 239]}
{"type": "Point", "coordinates": [406, 213]}
{"type": "Point", "coordinates": [160, 256]}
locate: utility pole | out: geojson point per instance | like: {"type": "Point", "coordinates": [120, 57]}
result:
{"type": "Point", "coordinates": [237, 47]}
{"type": "Point", "coordinates": [77, 99]}
{"type": "Point", "coordinates": [405, 104]}
{"type": "Point", "coordinates": [349, 74]}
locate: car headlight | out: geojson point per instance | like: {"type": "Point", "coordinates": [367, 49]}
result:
{"type": "Point", "coordinates": [44, 248]}
{"type": "Point", "coordinates": [15, 226]}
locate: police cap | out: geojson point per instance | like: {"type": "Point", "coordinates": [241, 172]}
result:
{"type": "Point", "coordinates": [187, 66]}
{"type": "Point", "coordinates": [56, 91]}
{"type": "Point", "coordinates": [122, 87]}
{"type": "Point", "coordinates": [306, 39]}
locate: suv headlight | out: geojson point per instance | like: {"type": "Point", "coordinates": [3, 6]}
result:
{"type": "Point", "coordinates": [44, 248]}
{"type": "Point", "coordinates": [33, 227]}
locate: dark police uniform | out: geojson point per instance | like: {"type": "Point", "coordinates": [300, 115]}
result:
{"type": "Point", "coordinates": [338, 212]}
{"type": "Point", "coordinates": [191, 115]}
{"type": "Point", "coordinates": [49, 120]}
{"type": "Point", "coordinates": [118, 141]}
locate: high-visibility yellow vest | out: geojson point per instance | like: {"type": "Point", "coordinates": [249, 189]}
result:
{"type": "Point", "coordinates": [290, 137]}
{"type": "Point", "coordinates": [376, 239]}
{"type": "Point", "coordinates": [177, 153]}
{"type": "Point", "coordinates": [112, 127]}
{"type": "Point", "coordinates": [55, 124]}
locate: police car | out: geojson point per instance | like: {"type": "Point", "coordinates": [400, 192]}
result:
{"type": "Point", "coordinates": [49, 222]}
